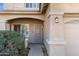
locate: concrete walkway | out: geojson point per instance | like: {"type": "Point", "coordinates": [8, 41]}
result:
{"type": "Point", "coordinates": [35, 50]}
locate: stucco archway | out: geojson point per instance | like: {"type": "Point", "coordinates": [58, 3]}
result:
{"type": "Point", "coordinates": [10, 17]}
{"type": "Point", "coordinates": [30, 25]}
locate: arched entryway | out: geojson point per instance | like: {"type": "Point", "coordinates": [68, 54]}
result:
{"type": "Point", "coordinates": [30, 27]}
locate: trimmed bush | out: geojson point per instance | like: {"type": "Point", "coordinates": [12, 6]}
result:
{"type": "Point", "coordinates": [12, 43]}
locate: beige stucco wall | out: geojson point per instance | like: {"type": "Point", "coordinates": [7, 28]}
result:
{"type": "Point", "coordinates": [46, 30]}
{"type": "Point", "coordinates": [65, 7]}
{"type": "Point", "coordinates": [13, 6]}
{"type": "Point", "coordinates": [54, 36]}
{"type": "Point", "coordinates": [46, 33]}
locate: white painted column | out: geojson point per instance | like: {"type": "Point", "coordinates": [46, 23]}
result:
{"type": "Point", "coordinates": [2, 25]}
{"type": "Point", "coordinates": [56, 38]}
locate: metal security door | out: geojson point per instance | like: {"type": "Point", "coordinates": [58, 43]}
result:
{"type": "Point", "coordinates": [36, 33]}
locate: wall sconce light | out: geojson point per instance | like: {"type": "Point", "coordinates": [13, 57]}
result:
{"type": "Point", "coordinates": [56, 20]}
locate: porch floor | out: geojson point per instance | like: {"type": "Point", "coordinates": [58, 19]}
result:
{"type": "Point", "coordinates": [35, 50]}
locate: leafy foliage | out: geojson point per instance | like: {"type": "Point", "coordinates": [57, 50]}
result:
{"type": "Point", "coordinates": [12, 43]}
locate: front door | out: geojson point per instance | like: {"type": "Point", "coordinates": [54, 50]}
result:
{"type": "Point", "coordinates": [36, 31]}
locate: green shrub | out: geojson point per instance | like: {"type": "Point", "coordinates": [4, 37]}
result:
{"type": "Point", "coordinates": [12, 43]}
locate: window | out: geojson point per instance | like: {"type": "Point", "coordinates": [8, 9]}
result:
{"type": "Point", "coordinates": [32, 5]}
{"type": "Point", "coordinates": [1, 6]}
